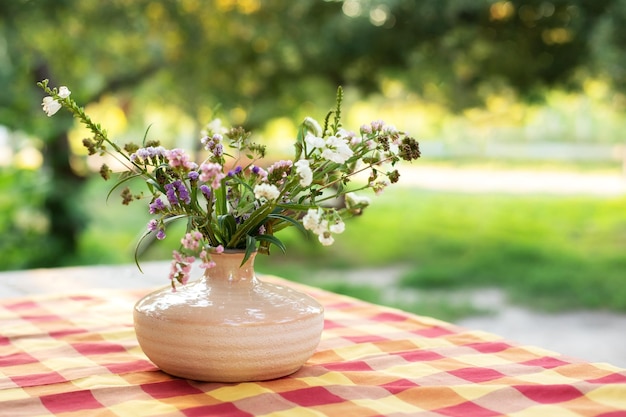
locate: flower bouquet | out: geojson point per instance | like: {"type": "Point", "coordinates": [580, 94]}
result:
{"type": "Point", "coordinates": [231, 199]}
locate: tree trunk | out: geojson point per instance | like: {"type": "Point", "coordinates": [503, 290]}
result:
{"type": "Point", "coordinates": [65, 215]}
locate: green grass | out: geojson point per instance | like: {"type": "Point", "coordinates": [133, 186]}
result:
{"type": "Point", "coordinates": [555, 253]}
{"type": "Point", "coordinates": [550, 252]}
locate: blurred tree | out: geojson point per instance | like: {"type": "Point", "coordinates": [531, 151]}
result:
{"type": "Point", "coordinates": [270, 56]}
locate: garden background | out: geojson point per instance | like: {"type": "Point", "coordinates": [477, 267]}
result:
{"type": "Point", "coordinates": [493, 86]}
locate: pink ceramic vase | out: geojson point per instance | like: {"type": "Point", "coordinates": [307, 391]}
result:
{"type": "Point", "coordinates": [229, 326]}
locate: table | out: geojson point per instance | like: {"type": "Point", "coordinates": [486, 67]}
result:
{"type": "Point", "coordinates": [75, 354]}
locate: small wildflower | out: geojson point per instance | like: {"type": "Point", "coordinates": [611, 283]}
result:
{"type": "Point", "coordinates": [279, 171]}
{"type": "Point", "coordinates": [153, 225]}
{"type": "Point", "coordinates": [409, 149]}
{"type": "Point", "coordinates": [156, 206]}
{"type": "Point", "coordinates": [177, 158]}
{"type": "Point", "coordinates": [160, 233]}
{"type": "Point", "coordinates": [170, 192]}
{"type": "Point", "coordinates": [211, 173]}
{"type": "Point", "coordinates": [337, 150]}
{"type": "Point", "coordinates": [90, 145]}
{"type": "Point", "coordinates": [379, 185]}
{"type": "Point", "coordinates": [356, 203]}
{"type": "Point", "coordinates": [64, 92]}
{"type": "Point", "coordinates": [127, 196]}
{"type": "Point", "coordinates": [191, 240]}
{"type": "Point", "coordinates": [303, 169]}
{"type": "Point", "coordinates": [131, 148]}
{"type": "Point", "coordinates": [394, 176]}
{"type": "Point", "coordinates": [311, 219]}
{"type": "Point", "coordinates": [206, 191]}
{"type": "Point", "coordinates": [266, 191]}
{"type": "Point", "coordinates": [326, 239]}
{"type": "Point", "coordinates": [235, 171]}
{"type": "Point", "coordinates": [205, 260]}
{"type": "Point", "coordinates": [256, 170]}
{"type": "Point", "coordinates": [314, 141]}
{"type": "Point", "coordinates": [180, 267]}
{"type": "Point", "coordinates": [105, 172]}
{"type": "Point", "coordinates": [50, 106]}
{"type": "Point", "coordinates": [312, 126]}
{"type": "Point", "coordinates": [338, 227]}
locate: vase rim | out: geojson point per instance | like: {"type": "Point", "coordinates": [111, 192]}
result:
{"type": "Point", "coordinates": [233, 251]}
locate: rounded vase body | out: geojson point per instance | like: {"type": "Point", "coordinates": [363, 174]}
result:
{"type": "Point", "coordinates": [229, 326]}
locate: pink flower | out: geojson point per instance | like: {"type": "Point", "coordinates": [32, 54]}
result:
{"type": "Point", "coordinates": [179, 159]}
{"type": "Point", "coordinates": [212, 173]}
{"type": "Point", "coordinates": [180, 268]}
{"type": "Point", "coordinates": [192, 240]}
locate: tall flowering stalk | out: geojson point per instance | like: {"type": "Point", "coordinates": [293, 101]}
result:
{"type": "Point", "coordinates": [231, 199]}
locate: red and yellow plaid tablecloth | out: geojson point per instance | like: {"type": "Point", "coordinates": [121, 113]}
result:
{"type": "Point", "coordinates": [77, 356]}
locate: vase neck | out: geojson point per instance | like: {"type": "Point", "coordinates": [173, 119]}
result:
{"type": "Point", "coordinates": [228, 268]}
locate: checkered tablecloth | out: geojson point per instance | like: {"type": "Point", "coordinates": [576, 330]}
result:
{"type": "Point", "coordinates": [76, 355]}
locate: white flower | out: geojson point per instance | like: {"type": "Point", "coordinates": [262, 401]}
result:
{"type": "Point", "coordinates": [50, 106]}
{"type": "Point", "coordinates": [336, 150]}
{"type": "Point", "coordinates": [214, 127]}
{"type": "Point", "coordinates": [353, 200]}
{"type": "Point", "coordinates": [267, 191]}
{"type": "Point", "coordinates": [64, 92]}
{"type": "Point", "coordinates": [338, 227]}
{"type": "Point", "coordinates": [314, 141]}
{"type": "Point", "coordinates": [326, 239]}
{"type": "Point", "coordinates": [312, 125]}
{"type": "Point", "coordinates": [390, 129]}
{"type": "Point", "coordinates": [304, 170]}
{"type": "Point", "coordinates": [314, 221]}
{"type": "Point", "coordinates": [311, 220]}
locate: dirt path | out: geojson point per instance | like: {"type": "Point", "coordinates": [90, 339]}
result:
{"type": "Point", "coordinates": [513, 181]}
{"type": "Point", "coordinates": [595, 336]}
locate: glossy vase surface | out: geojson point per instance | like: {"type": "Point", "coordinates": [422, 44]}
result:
{"type": "Point", "coordinates": [229, 326]}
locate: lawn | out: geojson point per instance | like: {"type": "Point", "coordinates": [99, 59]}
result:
{"type": "Point", "coordinates": [549, 252]}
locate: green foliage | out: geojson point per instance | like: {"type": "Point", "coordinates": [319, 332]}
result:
{"type": "Point", "coordinates": [21, 224]}
{"type": "Point", "coordinates": [549, 252]}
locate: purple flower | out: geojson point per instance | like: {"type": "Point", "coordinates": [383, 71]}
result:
{"type": "Point", "coordinates": [256, 170]}
{"type": "Point", "coordinates": [193, 175]}
{"type": "Point", "coordinates": [170, 192]}
{"type": "Point", "coordinates": [156, 206]}
{"type": "Point", "coordinates": [213, 144]}
{"type": "Point", "coordinates": [160, 234]}
{"type": "Point", "coordinates": [177, 191]}
{"type": "Point", "coordinates": [153, 225]}
{"type": "Point", "coordinates": [183, 193]}
{"type": "Point", "coordinates": [235, 171]}
{"type": "Point", "coordinates": [206, 191]}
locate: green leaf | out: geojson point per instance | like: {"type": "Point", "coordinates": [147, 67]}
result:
{"type": "Point", "coordinates": [145, 135]}
{"type": "Point", "coordinates": [273, 240]}
{"type": "Point", "coordinates": [220, 199]}
{"type": "Point", "coordinates": [166, 221]}
{"type": "Point", "coordinates": [290, 220]}
{"type": "Point", "coordinates": [242, 182]}
{"type": "Point", "coordinates": [250, 248]}
{"type": "Point", "coordinates": [227, 225]}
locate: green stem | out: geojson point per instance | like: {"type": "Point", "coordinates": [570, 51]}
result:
{"type": "Point", "coordinates": [255, 218]}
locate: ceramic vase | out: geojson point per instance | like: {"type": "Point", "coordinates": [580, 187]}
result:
{"type": "Point", "coordinates": [229, 326]}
